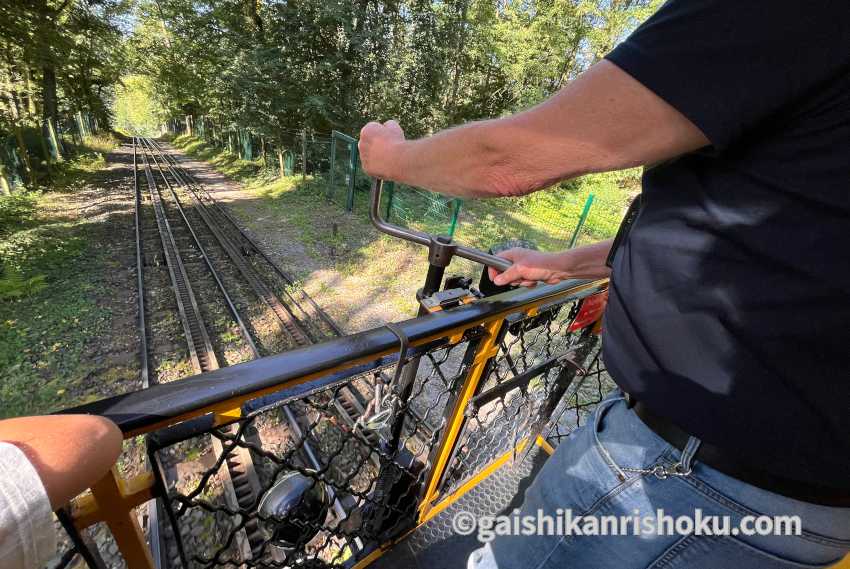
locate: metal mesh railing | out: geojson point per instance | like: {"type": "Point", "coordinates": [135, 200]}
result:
{"type": "Point", "coordinates": [370, 490]}
{"type": "Point", "coordinates": [335, 450]}
{"type": "Point", "coordinates": [541, 362]}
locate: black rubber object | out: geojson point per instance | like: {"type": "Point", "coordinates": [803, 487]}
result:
{"type": "Point", "coordinates": [485, 285]}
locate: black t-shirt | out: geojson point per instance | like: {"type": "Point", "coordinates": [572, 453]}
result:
{"type": "Point", "coordinates": [729, 311]}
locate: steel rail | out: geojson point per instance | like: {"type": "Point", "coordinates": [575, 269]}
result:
{"type": "Point", "coordinates": [153, 506]}
{"type": "Point", "coordinates": [246, 335]}
{"type": "Point", "coordinates": [196, 186]}
{"type": "Point", "coordinates": [289, 322]}
{"type": "Point", "coordinates": [241, 483]}
{"type": "Point", "coordinates": [140, 279]}
{"type": "Point", "coordinates": [222, 216]}
{"type": "Point", "coordinates": [290, 417]}
{"type": "Point", "coordinates": [240, 468]}
{"type": "Point", "coordinates": [200, 348]}
{"type": "Point", "coordinates": [349, 403]}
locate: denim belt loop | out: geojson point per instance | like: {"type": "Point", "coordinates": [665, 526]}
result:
{"type": "Point", "coordinates": [687, 459]}
{"type": "Point", "coordinates": [599, 412]}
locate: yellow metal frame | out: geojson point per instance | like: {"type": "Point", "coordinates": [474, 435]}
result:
{"type": "Point", "coordinates": [457, 495]}
{"type": "Point", "coordinates": [117, 507]}
{"type": "Point", "coordinates": [487, 349]}
{"type": "Point", "coordinates": [113, 500]}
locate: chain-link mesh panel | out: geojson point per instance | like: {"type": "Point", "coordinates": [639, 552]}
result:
{"type": "Point", "coordinates": [420, 209]}
{"type": "Point", "coordinates": [574, 410]}
{"type": "Point", "coordinates": [537, 366]}
{"type": "Point", "coordinates": [342, 173]}
{"type": "Point", "coordinates": [315, 482]}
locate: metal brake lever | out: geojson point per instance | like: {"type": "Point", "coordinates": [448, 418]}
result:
{"type": "Point", "coordinates": [425, 239]}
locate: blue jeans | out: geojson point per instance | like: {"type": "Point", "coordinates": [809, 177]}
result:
{"type": "Point", "coordinates": [612, 467]}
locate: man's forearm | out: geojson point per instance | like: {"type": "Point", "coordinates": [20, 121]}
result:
{"type": "Point", "coordinates": [604, 120]}
{"type": "Point", "coordinates": [587, 262]}
{"type": "Point", "coordinates": [480, 159]}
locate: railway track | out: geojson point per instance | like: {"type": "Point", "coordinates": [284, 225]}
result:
{"type": "Point", "coordinates": [214, 269]}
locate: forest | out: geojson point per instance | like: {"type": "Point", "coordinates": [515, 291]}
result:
{"type": "Point", "coordinates": [272, 66]}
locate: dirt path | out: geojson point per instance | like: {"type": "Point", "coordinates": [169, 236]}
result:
{"type": "Point", "coordinates": [106, 206]}
{"type": "Point", "coordinates": [360, 278]}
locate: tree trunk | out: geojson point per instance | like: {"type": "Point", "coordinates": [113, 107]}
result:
{"type": "Point", "coordinates": [279, 150]}
{"type": "Point", "coordinates": [303, 153]}
{"type": "Point", "coordinates": [5, 188]}
{"type": "Point", "coordinates": [48, 88]}
{"type": "Point", "coordinates": [251, 10]}
{"type": "Point", "coordinates": [461, 44]}
{"type": "Point", "coordinates": [32, 107]}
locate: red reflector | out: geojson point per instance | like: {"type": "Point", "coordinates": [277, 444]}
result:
{"type": "Point", "coordinates": [591, 310]}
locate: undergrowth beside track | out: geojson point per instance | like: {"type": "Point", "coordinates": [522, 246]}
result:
{"type": "Point", "coordinates": [48, 307]}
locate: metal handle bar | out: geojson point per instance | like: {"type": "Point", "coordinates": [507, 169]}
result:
{"type": "Point", "coordinates": [421, 238]}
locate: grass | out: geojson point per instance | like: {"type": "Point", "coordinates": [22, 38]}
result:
{"type": "Point", "coordinates": [308, 211]}
{"type": "Point", "coordinates": [225, 162]}
{"type": "Point", "coordinates": [48, 307]}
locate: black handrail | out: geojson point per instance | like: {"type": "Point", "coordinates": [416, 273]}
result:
{"type": "Point", "coordinates": [146, 408]}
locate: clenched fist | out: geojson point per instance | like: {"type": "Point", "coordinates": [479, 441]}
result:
{"type": "Point", "coordinates": [378, 148]}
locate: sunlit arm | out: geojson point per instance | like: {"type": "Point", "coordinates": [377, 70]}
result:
{"type": "Point", "coordinates": [69, 452]}
{"type": "Point", "coordinates": [604, 120]}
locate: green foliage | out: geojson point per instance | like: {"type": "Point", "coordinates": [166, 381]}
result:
{"type": "Point", "coordinates": [16, 286]}
{"type": "Point", "coordinates": [98, 144]}
{"type": "Point", "coordinates": [17, 211]}
{"type": "Point", "coordinates": [48, 303]}
{"type": "Point", "coordinates": [136, 108]}
{"type": "Point", "coordinates": [59, 57]}
{"type": "Point", "coordinates": [224, 161]}
{"type": "Point", "coordinates": [277, 66]}
{"type": "Point", "coordinates": [47, 311]}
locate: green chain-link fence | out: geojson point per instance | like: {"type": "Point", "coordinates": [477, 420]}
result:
{"type": "Point", "coordinates": [27, 153]}
{"type": "Point", "coordinates": [294, 152]}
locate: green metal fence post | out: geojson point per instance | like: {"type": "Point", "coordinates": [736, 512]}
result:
{"type": "Point", "coordinates": [79, 120]}
{"type": "Point", "coordinates": [581, 220]}
{"type": "Point", "coordinates": [333, 163]}
{"type": "Point", "coordinates": [55, 145]}
{"type": "Point", "coordinates": [303, 153]}
{"type": "Point", "coordinates": [389, 188]}
{"type": "Point", "coordinates": [458, 203]}
{"type": "Point", "coordinates": [247, 151]}
{"type": "Point", "coordinates": [352, 169]}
